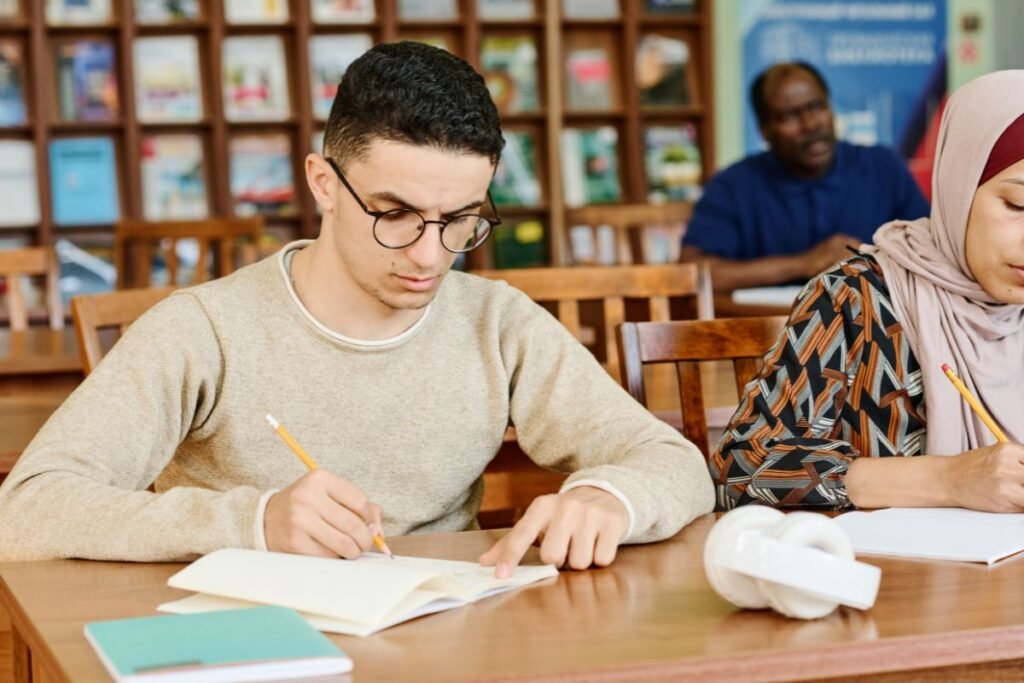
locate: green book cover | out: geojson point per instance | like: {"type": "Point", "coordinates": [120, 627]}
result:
{"type": "Point", "coordinates": [240, 644]}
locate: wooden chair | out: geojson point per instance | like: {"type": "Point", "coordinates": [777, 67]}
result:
{"type": "Point", "coordinates": [628, 222]}
{"type": "Point", "coordinates": [136, 242]}
{"type": "Point", "coordinates": [686, 343]}
{"type": "Point", "coordinates": [95, 314]}
{"type": "Point", "coordinates": [611, 285]}
{"type": "Point", "coordinates": [32, 262]}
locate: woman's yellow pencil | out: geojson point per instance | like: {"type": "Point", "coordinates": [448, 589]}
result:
{"type": "Point", "coordinates": [308, 461]}
{"type": "Point", "coordinates": [973, 402]}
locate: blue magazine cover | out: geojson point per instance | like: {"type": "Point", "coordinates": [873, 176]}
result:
{"type": "Point", "coordinates": [83, 179]}
{"type": "Point", "coordinates": [12, 95]}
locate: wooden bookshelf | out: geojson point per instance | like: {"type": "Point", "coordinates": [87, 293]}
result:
{"type": "Point", "coordinates": [555, 37]}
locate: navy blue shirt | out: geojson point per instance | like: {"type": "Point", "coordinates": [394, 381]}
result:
{"type": "Point", "coordinates": [757, 208]}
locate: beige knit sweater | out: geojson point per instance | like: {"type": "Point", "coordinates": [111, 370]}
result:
{"type": "Point", "coordinates": [180, 401]}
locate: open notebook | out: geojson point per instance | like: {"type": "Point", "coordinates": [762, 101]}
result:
{"type": "Point", "coordinates": [935, 533]}
{"type": "Point", "coordinates": [355, 597]}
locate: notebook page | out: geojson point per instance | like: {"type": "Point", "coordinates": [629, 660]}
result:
{"type": "Point", "coordinates": [935, 533]}
{"type": "Point", "coordinates": [468, 580]}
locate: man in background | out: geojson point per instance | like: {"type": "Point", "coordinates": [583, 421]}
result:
{"type": "Point", "coordinates": [788, 213]}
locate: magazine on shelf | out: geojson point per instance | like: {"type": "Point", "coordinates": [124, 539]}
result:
{"type": "Point", "coordinates": [83, 181]}
{"type": "Point", "coordinates": [18, 184]}
{"type": "Point", "coordinates": [261, 174]}
{"type": "Point", "coordinates": [515, 179]}
{"type": "Point", "coordinates": [166, 11]}
{"type": "Point", "coordinates": [588, 78]}
{"type": "Point", "coordinates": [590, 166]}
{"type": "Point", "coordinates": [590, 9]}
{"type": "Point", "coordinates": [167, 86]}
{"type": "Point", "coordinates": [256, 11]}
{"type": "Point", "coordinates": [673, 163]}
{"type": "Point", "coordinates": [78, 11]}
{"type": "Point", "coordinates": [671, 6]}
{"type": "Point", "coordinates": [86, 81]}
{"type": "Point", "coordinates": [329, 57]}
{"type": "Point", "coordinates": [520, 244]}
{"type": "Point", "coordinates": [505, 9]}
{"type": "Point", "coordinates": [343, 11]}
{"type": "Point", "coordinates": [431, 10]}
{"type": "Point", "coordinates": [437, 40]}
{"type": "Point", "coordinates": [173, 177]}
{"type": "Point", "coordinates": [662, 71]}
{"type": "Point", "coordinates": [12, 84]}
{"type": "Point", "coordinates": [86, 266]}
{"type": "Point", "coordinates": [255, 79]}
{"type": "Point", "coordinates": [509, 65]}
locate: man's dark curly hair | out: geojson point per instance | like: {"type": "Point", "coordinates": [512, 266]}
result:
{"type": "Point", "coordinates": [413, 93]}
{"type": "Point", "coordinates": [757, 88]}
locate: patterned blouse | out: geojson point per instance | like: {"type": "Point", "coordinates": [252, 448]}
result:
{"type": "Point", "coordinates": [840, 383]}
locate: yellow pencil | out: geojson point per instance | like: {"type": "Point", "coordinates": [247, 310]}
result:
{"type": "Point", "coordinates": [973, 402]}
{"type": "Point", "coordinates": [378, 540]}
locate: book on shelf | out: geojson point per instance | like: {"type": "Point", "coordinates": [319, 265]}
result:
{"type": "Point", "coordinates": [490, 10]}
{"type": "Point", "coordinates": [83, 181]}
{"type": "Point", "coordinates": [255, 79]}
{"type": "Point", "coordinates": [593, 245]}
{"type": "Point", "coordinates": [261, 174]}
{"type": "Point", "coordinates": [509, 65]}
{"type": "Point", "coordinates": [355, 597]}
{"type": "Point", "coordinates": [663, 71]}
{"type": "Point", "coordinates": [251, 644]}
{"type": "Point", "coordinates": [86, 81]}
{"type": "Point", "coordinates": [18, 184]}
{"type": "Point", "coordinates": [173, 177]}
{"type": "Point", "coordinates": [515, 179]}
{"type": "Point", "coordinates": [256, 11]}
{"type": "Point", "coordinates": [590, 166]}
{"type": "Point", "coordinates": [590, 9]}
{"type": "Point", "coordinates": [86, 266]}
{"type": "Point", "coordinates": [12, 84]}
{"type": "Point", "coordinates": [671, 6]}
{"type": "Point", "coordinates": [9, 9]}
{"type": "Point", "coordinates": [329, 57]}
{"type": "Point", "coordinates": [78, 11]}
{"type": "Point", "coordinates": [588, 78]}
{"type": "Point", "coordinates": [429, 10]}
{"type": "Point", "coordinates": [519, 244]}
{"type": "Point", "coordinates": [166, 11]}
{"type": "Point", "coordinates": [343, 11]}
{"type": "Point", "coordinates": [167, 85]}
{"type": "Point", "coordinates": [673, 163]}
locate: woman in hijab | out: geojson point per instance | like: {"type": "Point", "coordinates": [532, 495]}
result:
{"type": "Point", "coordinates": [857, 375]}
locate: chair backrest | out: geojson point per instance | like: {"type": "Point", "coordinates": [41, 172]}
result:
{"type": "Point", "coordinates": [686, 343]}
{"type": "Point", "coordinates": [95, 314]}
{"type": "Point", "coordinates": [136, 242]}
{"type": "Point", "coordinates": [629, 223]}
{"type": "Point", "coordinates": [32, 262]}
{"type": "Point", "coordinates": [611, 285]}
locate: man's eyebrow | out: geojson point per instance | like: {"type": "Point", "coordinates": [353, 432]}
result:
{"type": "Point", "coordinates": [386, 196]}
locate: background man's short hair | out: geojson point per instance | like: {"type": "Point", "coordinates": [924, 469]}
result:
{"type": "Point", "coordinates": [757, 96]}
{"type": "Point", "coordinates": [413, 93]}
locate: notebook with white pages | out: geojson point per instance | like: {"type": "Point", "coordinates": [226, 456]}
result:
{"type": "Point", "coordinates": [354, 597]}
{"type": "Point", "coordinates": [935, 533]}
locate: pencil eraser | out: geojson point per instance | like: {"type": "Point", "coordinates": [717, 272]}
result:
{"type": "Point", "coordinates": [946, 368]}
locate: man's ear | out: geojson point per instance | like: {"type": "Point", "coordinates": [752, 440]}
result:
{"type": "Point", "coordinates": [319, 177]}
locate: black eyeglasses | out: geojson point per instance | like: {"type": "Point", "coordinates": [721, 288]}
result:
{"type": "Point", "coordinates": [399, 228]}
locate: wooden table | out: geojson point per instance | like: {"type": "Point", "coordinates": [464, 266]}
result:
{"type": "Point", "coordinates": [651, 616]}
{"type": "Point", "coordinates": [39, 368]}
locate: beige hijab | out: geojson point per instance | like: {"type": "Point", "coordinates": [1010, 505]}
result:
{"type": "Point", "coordinates": [946, 315]}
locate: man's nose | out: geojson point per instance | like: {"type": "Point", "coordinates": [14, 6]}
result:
{"type": "Point", "coordinates": [427, 251]}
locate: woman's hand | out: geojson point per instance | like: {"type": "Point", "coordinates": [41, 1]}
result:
{"type": "Point", "coordinates": [990, 479]}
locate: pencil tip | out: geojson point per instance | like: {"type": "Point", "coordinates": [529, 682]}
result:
{"type": "Point", "coordinates": [272, 421]}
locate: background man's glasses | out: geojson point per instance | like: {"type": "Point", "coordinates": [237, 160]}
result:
{"type": "Point", "coordinates": [399, 228]}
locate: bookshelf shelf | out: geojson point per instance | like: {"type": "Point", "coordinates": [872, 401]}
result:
{"type": "Point", "coordinates": [596, 131]}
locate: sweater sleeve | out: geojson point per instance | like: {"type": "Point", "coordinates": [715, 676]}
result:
{"type": "Point", "coordinates": [79, 489]}
{"type": "Point", "coordinates": [782, 447]}
{"type": "Point", "coordinates": [571, 416]}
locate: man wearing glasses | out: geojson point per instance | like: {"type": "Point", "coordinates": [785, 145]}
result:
{"type": "Point", "coordinates": [398, 376]}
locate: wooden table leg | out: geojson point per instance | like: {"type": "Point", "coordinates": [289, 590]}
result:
{"type": "Point", "coordinates": [22, 657]}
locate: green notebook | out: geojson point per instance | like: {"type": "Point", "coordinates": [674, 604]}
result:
{"type": "Point", "coordinates": [253, 644]}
